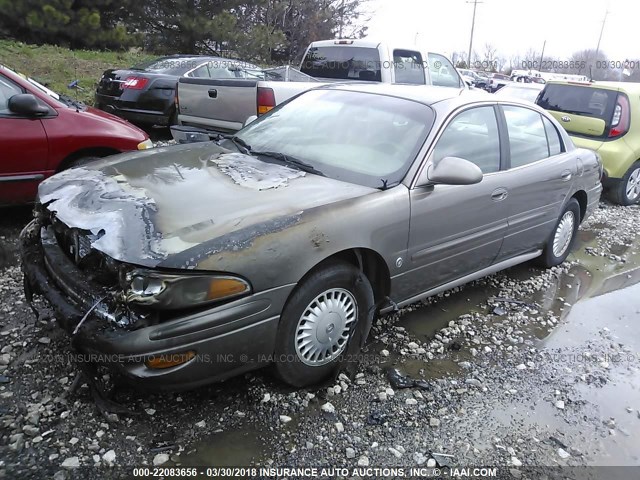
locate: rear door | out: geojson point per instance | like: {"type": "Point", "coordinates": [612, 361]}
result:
{"type": "Point", "coordinates": [539, 177]}
{"type": "Point", "coordinates": [457, 230]}
{"type": "Point", "coordinates": [25, 150]}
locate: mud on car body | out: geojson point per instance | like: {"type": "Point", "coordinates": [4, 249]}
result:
{"type": "Point", "coordinates": [189, 264]}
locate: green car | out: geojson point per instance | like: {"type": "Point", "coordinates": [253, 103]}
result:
{"type": "Point", "coordinates": [605, 117]}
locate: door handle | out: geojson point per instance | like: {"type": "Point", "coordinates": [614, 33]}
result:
{"type": "Point", "coordinates": [213, 93]}
{"type": "Point", "coordinates": [566, 176]}
{"type": "Point", "coordinates": [499, 194]}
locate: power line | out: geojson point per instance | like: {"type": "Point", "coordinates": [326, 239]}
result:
{"type": "Point", "coordinates": [473, 24]}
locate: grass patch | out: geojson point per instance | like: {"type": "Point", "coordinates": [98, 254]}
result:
{"type": "Point", "coordinates": [57, 67]}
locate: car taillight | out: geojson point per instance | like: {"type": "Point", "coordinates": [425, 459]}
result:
{"type": "Point", "coordinates": [620, 121]}
{"type": "Point", "coordinates": [266, 100]}
{"type": "Point", "coordinates": [135, 83]}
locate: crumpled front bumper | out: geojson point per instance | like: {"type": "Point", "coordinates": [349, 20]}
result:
{"type": "Point", "coordinates": [227, 339]}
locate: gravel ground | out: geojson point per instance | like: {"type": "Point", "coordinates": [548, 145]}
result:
{"type": "Point", "coordinates": [505, 371]}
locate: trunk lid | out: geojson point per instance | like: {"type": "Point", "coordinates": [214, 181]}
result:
{"type": "Point", "coordinates": [111, 82]}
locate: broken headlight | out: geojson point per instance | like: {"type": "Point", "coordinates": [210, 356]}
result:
{"type": "Point", "coordinates": [176, 291]}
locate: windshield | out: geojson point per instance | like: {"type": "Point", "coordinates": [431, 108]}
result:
{"type": "Point", "coordinates": [44, 89]}
{"type": "Point", "coordinates": [356, 137]}
{"type": "Point", "coordinates": [343, 62]}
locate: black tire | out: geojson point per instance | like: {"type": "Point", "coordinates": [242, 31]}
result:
{"type": "Point", "coordinates": [619, 192]}
{"type": "Point", "coordinates": [333, 279]}
{"type": "Point", "coordinates": [551, 258]}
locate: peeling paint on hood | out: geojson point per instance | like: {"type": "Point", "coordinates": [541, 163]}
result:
{"type": "Point", "coordinates": [114, 214]}
{"type": "Point", "coordinates": [166, 206]}
{"type": "Point", "coordinates": [253, 173]}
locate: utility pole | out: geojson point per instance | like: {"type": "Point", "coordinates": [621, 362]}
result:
{"type": "Point", "coordinates": [542, 55]}
{"type": "Point", "coordinates": [473, 24]}
{"type": "Point", "coordinates": [606, 14]}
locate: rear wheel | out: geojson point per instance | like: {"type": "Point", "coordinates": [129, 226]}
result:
{"type": "Point", "coordinates": [319, 320]}
{"type": "Point", "coordinates": [561, 239]}
{"type": "Point", "coordinates": [627, 190]}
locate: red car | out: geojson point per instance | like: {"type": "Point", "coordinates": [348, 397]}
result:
{"type": "Point", "coordinates": [42, 133]}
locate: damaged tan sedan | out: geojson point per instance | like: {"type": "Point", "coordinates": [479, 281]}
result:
{"type": "Point", "coordinates": [189, 264]}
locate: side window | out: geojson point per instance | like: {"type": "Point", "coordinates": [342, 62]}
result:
{"type": "Point", "coordinates": [443, 74]}
{"type": "Point", "coordinates": [527, 136]}
{"type": "Point", "coordinates": [472, 135]}
{"type": "Point", "coordinates": [408, 67]}
{"type": "Point", "coordinates": [200, 72]}
{"type": "Point", "coordinates": [555, 145]}
{"type": "Point", "coordinates": [7, 90]}
{"type": "Point", "coordinates": [221, 72]}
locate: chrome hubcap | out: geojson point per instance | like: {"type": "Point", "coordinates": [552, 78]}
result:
{"type": "Point", "coordinates": [324, 327]}
{"type": "Point", "coordinates": [564, 233]}
{"type": "Point", "coordinates": [633, 185]}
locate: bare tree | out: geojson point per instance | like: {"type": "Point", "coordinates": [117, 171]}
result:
{"type": "Point", "coordinates": [459, 59]}
{"type": "Point", "coordinates": [515, 63]}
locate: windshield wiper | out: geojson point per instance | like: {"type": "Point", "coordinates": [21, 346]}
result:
{"type": "Point", "coordinates": [240, 144]}
{"type": "Point", "coordinates": [71, 102]}
{"type": "Point", "coordinates": [385, 184]}
{"type": "Point", "coordinates": [290, 161]}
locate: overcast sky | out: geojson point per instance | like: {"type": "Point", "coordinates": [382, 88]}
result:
{"type": "Point", "coordinates": [511, 26]}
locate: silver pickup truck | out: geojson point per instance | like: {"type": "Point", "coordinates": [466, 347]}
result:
{"type": "Point", "coordinates": [207, 105]}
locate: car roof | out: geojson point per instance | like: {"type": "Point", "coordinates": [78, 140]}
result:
{"type": "Point", "coordinates": [426, 94]}
{"type": "Point", "coordinates": [353, 42]}
{"type": "Point", "coordinates": [198, 58]}
{"type": "Point", "coordinates": [632, 87]}
{"type": "Point", "coordinates": [531, 86]}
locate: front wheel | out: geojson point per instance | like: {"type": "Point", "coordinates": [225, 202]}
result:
{"type": "Point", "coordinates": [627, 190]}
{"type": "Point", "coordinates": [559, 243]}
{"type": "Point", "coordinates": [318, 322]}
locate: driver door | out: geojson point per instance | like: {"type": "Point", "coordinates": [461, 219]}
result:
{"type": "Point", "coordinates": [457, 230]}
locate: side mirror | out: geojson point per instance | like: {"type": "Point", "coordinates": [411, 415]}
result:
{"type": "Point", "coordinates": [26, 104]}
{"type": "Point", "coordinates": [250, 119]}
{"type": "Point", "coordinates": [454, 171]}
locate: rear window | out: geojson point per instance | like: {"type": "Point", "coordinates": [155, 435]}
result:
{"type": "Point", "coordinates": [343, 62]}
{"type": "Point", "coordinates": [586, 101]}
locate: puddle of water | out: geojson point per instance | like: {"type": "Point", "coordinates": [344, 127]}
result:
{"type": "Point", "coordinates": [425, 321]}
{"type": "Point", "coordinates": [585, 237]}
{"type": "Point", "coordinates": [433, 369]}
{"type": "Point", "coordinates": [228, 449]}
{"type": "Point", "coordinates": [619, 311]}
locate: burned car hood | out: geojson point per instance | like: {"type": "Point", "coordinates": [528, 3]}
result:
{"type": "Point", "coordinates": [156, 207]}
